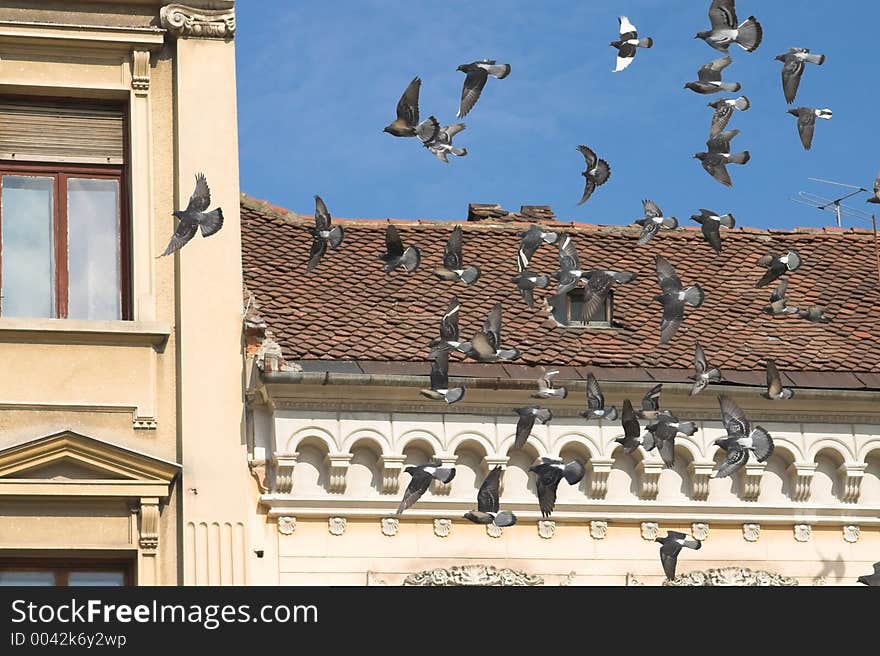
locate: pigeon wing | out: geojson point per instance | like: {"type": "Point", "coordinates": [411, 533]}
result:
{"type": "Point", "coordinates": [319, 247]}
{"type": "Point", "coordinates": [418, 485]}
{"type": "Point", "coordinates": [718, 170]}
{"type": "Point", "coordinates": [449, 322]}
{"type": "Point", "coordinates": [700, 364]}
{"type": "Point", "coordinates": [629, 421]}
{"type": "Point", "coordinates": [452, 256]}
{"type": "Point", "coordinates": [669, 281]}
{"type": "Point", "coordinates": [774, 380]}
{"type": "Point", "coordinates": [651, 209]}
{"type": "Point", "coordinates": [440, 371]}
{"type": "Point", "coordinates": [779, 293]}
{"type": "Point", "coordinates": [182, 234]}
{"type": "Point", "coordinates": [546, 483]}
{"type": "Point", "coordinates": [712, 233]}
{"type": "Point", "coordinates": [722, 15]}
{"type": "Point", "coordinates": [666, 447]}
{"type": "Point", "coordinates": [523, 429]}
{"type": "Point", "coordinates": [736, 459]}
{"type": "Point", "coordinates": [492, 325]}
{"type": "Point", "coordinates": [627, 30]}
{"type": "Point", "coordinates": [599, 284]}
{"type": "Point", "coordinates": [393, 244]}
{"type": "Point", "coordinates": [595, 398]}
{"type": "Point", "coordinates": [473, 87]}
{"type": "Point", "coordinates": [589, 156]}
{"type": "Point", "coordinates": [792, 70]}
{"type": "Point", "coordinates": [322, 216]}
{"type": "Point", "coordinates": [201, 196]}
{"type": "Point", "coordinates": [488, 494]}
{"type": "Point", "coordinates": [673, 315]}
{"type": "Point", "coordinates": [732, 416]}
{"type": "Point", "coordinates": [711, 71]}
{"type": "Point", "coordinates": [806, 126]}
{"type": "Point", "coordinates": [669, 557]}
{"type": "Point", "coordinates": [408, 105]}
{"type": "Point", "coordinates": [568, 256]}
{"type": "Point", "coordinates": [720, 118]}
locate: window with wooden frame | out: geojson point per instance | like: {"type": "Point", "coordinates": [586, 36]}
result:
{"type": "Point", "coordinates": [64, 573]}
{"type": "Point", "coordinates": [64, 250]}
{"type": "Point", "coordinates": [568, 310]}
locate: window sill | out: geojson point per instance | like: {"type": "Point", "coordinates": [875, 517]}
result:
{"type": "Point", "coordinates": [77, 331]}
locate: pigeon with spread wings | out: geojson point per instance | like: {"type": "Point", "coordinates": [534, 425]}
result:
{"type": "Point", "coordinates": [665, 430]}
{"type": "Point", "coordinates": [422, 476]}
{"type": "Point", "coordinates": [488, 502]}
{"type": "Point", "coordinates": [527, 417]}
{"type": "Point", "coordinates": [440, 142]}
{"type": "Point", "coordinates": [449, 339]}
{"type": "Point", "coordinates": [778, 304]}
{"type": "Point", "coordinates": [395, 256]}
{"type": "Point", "coordinates": [530, 242]}
{"type": "Point", "coordinates": [486, 345]}
{"type": "Point", "coordinates": [718, 156]}
{"type": "Point", "coordinates": [777, 266]}
{"type": "Point", "coordinates": [710, 226]}
{"type": "Point", "coordinates": [407, 122]}
{"type": "Point", "coordinates": [672, 545]}
{"type": "Point", "coordinates": [741, 439]}
{"type": "Point", "coordinates": [546, 389]}
{"type": "Point", "coordinates": [653, 221]}
{"type": "Point", "coordinates": [547, 476]}
{"type": "Point", "coordinates": [627, 43]}
{"type": "Point", "coordinates": [793, 64]}
{"type": "Point", "coordinates": [476, 75]}
{"type": "Point", "coordinates": [322, 234]}
{"type": "Point", "coordinates": [806, 122]}
{"type": "Point", "coordinates": [651, 404]}
{"type": "Point", "coordinates": [726, 30]}
{"type": "Point", "coordinates": [596, 173]}
{"type": "Point", "coordinates": [453, 263]}
{"type": "Point", "coordinates": [775, 390]}
{"type": "Point", "coordinates": [673, 298]}
{"type": "Point", "coordinates": [195, 218]}
{"type": "Point", "coordinates": [527, 282]}
{"type": "Point", "coordinates": [724, 108]}
{"type": "Point", "coordinates": [440, 390]}
{"type": "Point", "coordinates": [632, 436]}
{"type": "Point", "coordinates": [596, 402]}
{"type": "Point", "coordinates": [709, 78]}
{"type": "Point", "coordinates": [703, 373]}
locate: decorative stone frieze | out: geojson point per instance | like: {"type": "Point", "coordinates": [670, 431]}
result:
{"type": "Point", "coordinates": [600, 468]}
{"type": "Point", "coordinates": [481, 575]}
{"type": "Point", "coordinates": [598, 529]}
{"type": "Point", "coordinates": [286, 525]}
{"type": "Point", "coordinates": [851, 533]}
{"type": "Point", "coordinates": [390, 526]}
{"type": "Point", "coordinates": [731, 576]}
{"type": "Point", "coordinates": [650, 530]}
{"type": "Point", "coordinates": [494, 531]}
{"type": "Point", "coordinates": [803, 532]}
{"type": "Point", "coordinates": [336, 525]}
{"type": "Point", "coordinates": [183, 21]}
{"type": "Point", "coordinates": [700, 530]}
{"type": "Point", "coordinates": [751, 532]}
{"type": "Point", "coordinates": [442, 527]}
{"type": "Point", "coordinates": [546, 528]}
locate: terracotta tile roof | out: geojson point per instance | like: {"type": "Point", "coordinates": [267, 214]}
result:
{"type": "Point", "coordinates": [348, 309]}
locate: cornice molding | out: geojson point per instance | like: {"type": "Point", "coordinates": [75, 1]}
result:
{"type": "Point", "coordinates": [184, 21]}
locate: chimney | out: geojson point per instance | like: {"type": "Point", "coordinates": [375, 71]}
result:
{"type": "Point", "coordinates": [540, 213]}
{"type": "Point", "coordinates": [494, 213]}
{"type": "Point", "coordinates": [486, 212]}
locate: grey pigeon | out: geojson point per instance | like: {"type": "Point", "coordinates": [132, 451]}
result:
{"type": "Point", "coordinates": [547, 476]}
{"type": "Point", "coordinates": [546, 389]}
{"type": "Point", "coordinates": [453, 263]}
{"type": "Point", "coordinates": [531, 241]}
{"type": "Point", "coordinates": [422, 475]}
{"type": "Point", "coordinates": [395, 256]}
{"type": "Point", "coordinates": [527, 282]}
{"type": "Point", "coordinates": [709, 78]}
{"type": "Point", "coordinates": [710, 225]}
{"type": "Point", "coordinates": [651, 404]}
{"type": "Point", "coordinates": [741, 439]}
{"type": "Point", "coordinates": [632, 438]}
{"type": "Point", "coordinates": [527, 417]}
{"type": "Point", "coordinates": [876, 197]}
{"type": "Point", "coordinates": [777, 266]}
{"type": "Point", "coordinates": [775, 390]}
{"type": "Point", "coordinates": [777, 303]}
{"type": "Point", "coordinates": [440, 390]}
{"type": "Point", "coordinates": [596, 402]}
{"type": "Point", "coordinates": [653, 221]}
{"type": "Point", "coordinates": [486, 346]}
{"type": "Point", "coordinates": [672, 545]}
{"type": "Point", "coordinates": [598, 286]}
{"type": "Point", "coordinates": [724, 108]}
{"type": "Point", "coordinates": [194, 217]}
{"type": "Point", "coordinates": [322, 234]}
{"type": "Point", "coordinates": [488, 502]}
{"type": "Point", "coordinates": [440, 143]}
{"type": "Point", "coordinates": [717, 158]}
{"type": "Point", "coordinates": [627, 43]}
{"type": "Point", "coordinates": [673, 298]}
{"type": "Point", "coordinates": [703, 373]}
{"type": "Point", "coordinates": [794, 61]}
{"type": "Point", "coordinates": [664, 430]}
{"type": "Point", "coordinates": [596, 173]}
{"type": "Point", "coordinates": [570, 272]}
{"type": "Point", "coordinates": [814, 313]}
{"type": "Point", "coordinates": [806, 122]}
{"type": "Point", "coordinates": [476, 74]}
{"type": "Point", "coordinates": [871, 579]}
{"type": "Point", "coordinates": [727, 30]}
{"type": "Point", "coordinates": [407, 112]}
{"type": "Point", "coordinates": [449, 339]}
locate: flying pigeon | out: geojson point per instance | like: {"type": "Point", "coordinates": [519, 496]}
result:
{"type": "Point", "coordinates": [440, 143]}
{"type": "Point", "coordinates": [407, 112]}
{"type": "Point", "coordinates": [724, 111]}
{"type": "Point", "coordinates": [741, 438]}
{"type": "Point", "coordinates": [488, 502]}
{"type": "Point", "coordinates": [716, 160]}
{"type": "Point", "coordinates": [476, 75]}
{"type": "Point", "coordinates": [546, 390]}
{"type": "Point", "coordinates": [632, 439]}
{"type": "Point", "coordinates": [448, 330]}
{"type": "Point", "coordinates": [527, 282]}
{"type": "Point", "coordinates": [704, 374]}
{"type": "Point", "coordinates": [653, 221]}
{"type": "Point", "coordinates": [806, 122]}
{"type": "Point", "coordinates": [531, 241]}
{"type": "Point", "coordinates": [876, 197]}
{"type": "Point", "coordinates": [628, 42]}
{"type": "Point", "coordinates": [596, 173]}
{"type": "Point", "coordinates": [794, 61]}
{"type": "Point", "coordinates": [814, 313]}
{"type": "Point", "coordinates": [526, 422]}
{"type": "Point", "coordinates": [453, 264]}
{"type": "Point", "coordinates": [440, 390]}
{"type": "Point", "coordinates": [422, 475]}
{"type": "Point", "coordinates": [871, 579]}
{"type": "Point", "coordinates": [486, 345]}
{"type": "Point", "coordinates": [709, 78]}
{"type": "Point", "coordinates": [322, 234]}
{"type": "Point", "coordinates": [194, 217]}
{"type": "Point", "coordinates": [710, 225]}
{"type": "Point", "coordinates": [570, 272]}
{"type": "Point", "coordinates": [673, 298]}
{"type": "Point", "coordinates": [651, 404]}
{"type": "Point", "coordinates": [777, 303]}
{"type": "Point", "coordinates": [726, 30]}
{"type": "Point", "coordinates": [395, 256]}
{"type": "Point", "coordinates": [596, 402]}
{"type": "Point", "coordinates": [775, 390]}
{"type": "Point", "coordinates": [664, 431]}
{"type": "Point", "coordinates": [672, 545]}
{"type": "Point", "coordinates": [777, 266]}
{"type": "Point", "coordinates": [599, 284]}
{"type": "Point", "coordinates": [547, 476]}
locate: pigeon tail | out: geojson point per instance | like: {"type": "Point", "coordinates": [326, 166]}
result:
{"type": "Point", "coordinates": [762, 443]}
{"type": "Point", "coordinates": [670, 222]}
{"type": "Point", "coordinates": [411, 258]}
{"type": "Point", "coordinates": [509, 354]}
{"type": "Point", "coordinates": [740, 158]}
{"type": "Point", "coordinates": [733, 87]}
{"type": "Point", "coordinates": [444, 474]}
{"type": "Point", "coordinates": [459, 152]}
{"type": "Point", "coordinates": [574, 472]}
{"type": "Point", "coordinates": [504, 518]}
{"type": "Point", "coordinates": [336, 236]}
{"type": "Point", "coordinates": [687, 427]}
{"type": "Point", "coordinates": [824, 113]}
{"type": "Point", "coordinates": [742, 103]}
{"type": "Point", "coordinates": [469, 276]}
{"type": "Point", "coordinates": [454, 395]}
{"type": "Point", "coordinates": [499, 71]}
{"type": "Point", "coordinates": [211, 222]}
{"type": "Point", "coordinates": [750, 34]}
{"type": "Point", "coordinates": [611, 414]}
{"type": "Point", "coordinates": [815, 59]}
{"type": "Point", "coordinates": [647, 42]}
{"type": "Point", "coordinates": [694, 295]}
{"type": "Point", "coordinates": [727, 221]}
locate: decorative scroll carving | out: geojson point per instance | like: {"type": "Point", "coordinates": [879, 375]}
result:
{"type": "Point", "coordinates": [442, 527]}
{"type": "Point", "coordinates": [339, 464]}
{"type": "Point", "coordinates": [144, 423]}
{"type": "Point", "coordinates": [851, 474]}
{"type": "Point", "coordinates": [803, 532]}
{"type": "Point", "coordinates": [494, 531]}
{"type": "Point", "coordinates": [700, 530]}
{"type": "Point", "coordinates": [740, 576]}
{"type": "Point", "coordinates": [472, 575]}
{"type": "Point", "coordinates": [701, 474]}
{"type": "Point", "coordinates": [284, 464]}
{"type": "Point", "coordinates": [600, 468]}
{"type": "Point", "coordinates": [801, 478]}
{"type": "Point", "coordinates": [649, 478]}
{"type": "Point", "coordinates": [751, 532]}
{"type": "Point", "coordinates": [390, 525]}
{"type": "Point", "coordinates": [438, 487]}
{"type": "Point", "coordinates": [546, 528]}
{"type": "Point", "coordinates": [650, 530]}
{"type": "Point", "coordinates": [286, 525]}
{"type": "Point", "coordinates": [851, 533]}
{"type": "Point", "coordinates": [258, 468]}
{"type": "Point", "coordinates": [598, 529]}
{"type": "Point", "coordinates": [184, 21]}
{"type": "Point", "coordinates": [392, 466]}
{"type": "Point", "coordinates": [149, 530]}
{"type": "Point", "coordinates": [336, 525]}
{"type": "Point", "coordinates": [140, 71]}
{"type": "Point", "coordinates": [750, 480]}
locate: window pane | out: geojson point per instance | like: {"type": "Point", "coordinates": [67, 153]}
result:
{"type": "Point", "coordinates": [576, 307]}
{"type": "Point", "coordinates": [27, 578]}
{"type": "Point", "coordinates": [28, 270]}
{"type": "Point", "coordinates": [96, 578]}
{"type": "Point", "coordinates": [93, 247]}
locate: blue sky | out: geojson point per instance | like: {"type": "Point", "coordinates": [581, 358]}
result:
{"type": "Point", "coordinates": [317, 82]}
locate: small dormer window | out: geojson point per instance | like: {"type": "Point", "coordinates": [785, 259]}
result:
{"type": "Point", "coordinates": [568, 310]}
